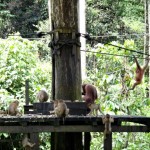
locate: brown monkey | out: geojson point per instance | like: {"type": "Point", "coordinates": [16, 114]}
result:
{"type": "Point", "coordinates": [42, 96]}
{"type": "Point", "coordinates": [139, 73]}
{"type": "Point", "coordinates": [89, 92]}
{"type": "Point", "coordinates": [60, 109]}
{"type": "Point", "coordinates": [107, 120]}
{"type": "Point", "coordinates": [26, 143]}
{"type": "Point", "coordinates": [94, 108]}
{"type": "Point", "coordinates": [12, 109]}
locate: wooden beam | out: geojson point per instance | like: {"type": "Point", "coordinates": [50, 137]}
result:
{"type": "Point", "coordinates": [108, 142]}
{"type": "Point", "coordinates": [34, 137]}
{"type": "Point", "coordinates": [70, 128]}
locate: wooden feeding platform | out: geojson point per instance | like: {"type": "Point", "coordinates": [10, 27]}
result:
{"type": "Point", "coordinates": [30, 123]}
{"type": "Point", "coordinates": [37, 119]}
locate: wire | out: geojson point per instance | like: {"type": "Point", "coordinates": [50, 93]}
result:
{"type": "Point", "coordinates": [88, 37]}
{"type": "Point", "coordinates": [93, 36]}
{"type": "Point", "coordinates": [128, 49]}
{"type": "Point", "coordinates": [110, 54]}
{"type": "Point", "coordinates": [120, 35]}
{"type": "Point", "coordinates": [38, 34]}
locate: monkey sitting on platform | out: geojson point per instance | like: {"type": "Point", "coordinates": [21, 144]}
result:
{"type": "Point", "coordinates": [42, 96]}
{"type": "Point", "coordinates": [60, 109]}
{"type": "Point", "coordinates": [12, 109]}
{"type": "Point", "coordinates": [107, 120]}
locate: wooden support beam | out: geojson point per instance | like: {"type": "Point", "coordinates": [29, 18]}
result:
{"type": "Point", "coordinates": [70, 128]}
{"type": "Point", "coordinates": [108, 142]}
{"type": "Point", "coordinates": [34, 137]}
{"type": "Point", "coordinates": [87, 140]}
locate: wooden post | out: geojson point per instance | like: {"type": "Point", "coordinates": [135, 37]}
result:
{"type": "Point", "coordinates": [27, 92]}
{"type": "Point", "coordinates": [87, 140]}
{"type": "Point", "coordinates": [108, 142]}
{"type": "Point", "coordinates": [66, 65]}
{"type": "Point", "coordinates": [34, 137]}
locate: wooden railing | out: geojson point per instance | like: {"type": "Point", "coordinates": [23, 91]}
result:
{"type": "Point", "coordinates": [34, 124]}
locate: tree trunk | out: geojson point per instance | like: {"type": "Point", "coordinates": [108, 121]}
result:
{"type": "Point", "coordinates": [66, 65]}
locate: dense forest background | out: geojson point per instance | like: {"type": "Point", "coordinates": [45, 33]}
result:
{"type": "Point", "coordinates": [24, 55]}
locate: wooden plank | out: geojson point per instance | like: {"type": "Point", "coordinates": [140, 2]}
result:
{"type": "Point", "coordinates": [71, 128]}
{"type": "Point", "coordinates": [74, 120]}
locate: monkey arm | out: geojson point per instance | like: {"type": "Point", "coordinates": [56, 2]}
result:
{"type": "Point", "coordinates": [134, 85]}
{"type": "Point", "coordinates": [30, 144]}
{"type": "Point", "coordinates": [137, 64]}
{"type": "Point", "coordinates": [83, 89]}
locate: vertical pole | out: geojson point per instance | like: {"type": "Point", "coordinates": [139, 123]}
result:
{"type": "Point", "coordinates": [82, 29]}
{"type": "Point", "coordinates": [146, 39]}
{"type": "Point", "coordinates": [27, 92]}
{"type": "Point", "coordinates": [148, 32]}
{"type": "Point", "coordinates": [108, 142]}
{"type": "Point", "coordinates": [34, 137]}
{"type": "Point", "coordinates": [87, 140]}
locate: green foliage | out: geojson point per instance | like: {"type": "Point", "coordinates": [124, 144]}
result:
{"type": "Point", "coordinates": [19, 61]}
{"type": "Point", "coordinates": [22, 16]}
{"type": "Point", "coordinates": [45, 141]}
{"type": "Point", "coordinates": [109, 17]}
{"type": "Point", "coordinates": [122, 141]}
{"type": "Point", "coordinates": [5, 16]}
{"type": "Point", "coordinates": [105, 69]}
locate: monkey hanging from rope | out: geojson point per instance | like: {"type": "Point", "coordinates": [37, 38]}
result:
{"type": "Point", "coordinates": [139, 72]}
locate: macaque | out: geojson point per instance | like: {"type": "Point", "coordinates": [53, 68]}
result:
{"type": "Point", "coordinates": [89, 92]}
{"type": "Point", "coordinates": [42, 96]}
{"type": "Point", "coordinates": [12, 109]}
{"type": "Point", "coordinates": [139, 73]}
{"type": "Point", "coordinates": [26, 143]}
{"type": "Point", "coordinates": [94, 108]}
{"type": "Point", "coordinates": [107, 120]}
{"type": "Point", "coordinates": [60, 109]}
